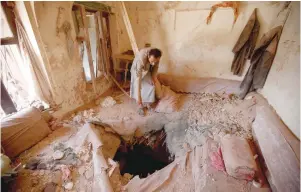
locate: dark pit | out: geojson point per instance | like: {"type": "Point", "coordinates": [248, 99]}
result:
{"type": "Point", "coordinates": [148, 154]}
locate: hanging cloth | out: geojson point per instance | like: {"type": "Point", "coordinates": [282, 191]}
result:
{"type": "Point", "coordinates": [261, 62]}
{"type": "Point", "coordinates": [245, 44]}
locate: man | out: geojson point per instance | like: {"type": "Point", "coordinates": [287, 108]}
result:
{"type": "Point", "coordinates": [144, 76]}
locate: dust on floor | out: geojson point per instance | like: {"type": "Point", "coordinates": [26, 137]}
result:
{"type": "Point", "coordinates": [199, 115]}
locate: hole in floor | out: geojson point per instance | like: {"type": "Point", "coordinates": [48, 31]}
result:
{"type": "Point", "coordinates": [148, 154]}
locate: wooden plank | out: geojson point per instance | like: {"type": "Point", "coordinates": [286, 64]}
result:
{"type": "Point", "coordinates": [109, 48]}
{"type": "Point", "coordinates": [9, 41]}
{"type": "Point", "coordinates": [129, 27]}
{"type": "Point", "coordinates": [88, 46]}
{"type": "Point", "coordinates": [104, 43]}
{"type": "Point", "coordinates": [98, 46]}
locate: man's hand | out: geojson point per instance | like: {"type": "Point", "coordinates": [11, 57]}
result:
{"type": "Point", "coordinates": [154, 80]}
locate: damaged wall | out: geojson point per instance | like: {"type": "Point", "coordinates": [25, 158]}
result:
{"type": "Point", "coordinates": [66, 69]}
{"type": "Point", "coordinates": [192, 48]}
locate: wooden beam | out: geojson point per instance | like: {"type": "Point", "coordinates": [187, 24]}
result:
{"type": "Point", "coordinates": [88, 46]}
{"type": "Point", "coordinates": [10, 16]}
{"type": "Point", "coordinates": [76, 6]}
{"type": "Point", "coordinates": [129, 27]}
{"type": "Point", "coordinates": [9, 41]}
{"type": "Point", "coordinates": [109, 48]}
{"type": "Point", "coordinates": [105, 48]}
{"type": "Point", "coordinates": [98, 46]}
{"type": "Point", "coordinates": [103, 58]}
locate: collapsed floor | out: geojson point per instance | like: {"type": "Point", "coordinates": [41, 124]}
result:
{"type": "Point", "coordinates": [64, 160]}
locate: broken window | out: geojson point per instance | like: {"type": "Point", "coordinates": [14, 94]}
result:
{"type": "Point", "coordinates": [5, 29]}
{"type": "Point", "coordinates": [97, 36]}
{"type": "Point", "coordinates": [16, 91]}
{"type": "Point", "coordinates": [8, 32]}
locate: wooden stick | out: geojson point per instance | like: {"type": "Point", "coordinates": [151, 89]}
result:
{"type": "Point", "coordinates": [88, 46]}
{"type": "Point", "coordinates": [98, 47]}
{"type": "Point", "coordinates": [129, 27]}
{"type": "Point", "coordinates": [119, 86]}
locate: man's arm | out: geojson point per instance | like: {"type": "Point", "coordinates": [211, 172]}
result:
{"type": "Point", "coordinates": [154, 72]}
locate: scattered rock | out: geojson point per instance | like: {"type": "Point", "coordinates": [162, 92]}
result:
{"type": "Point", "coordinates": [42, 172]}
{"type": "Point", "coordinates": [70, 159]}
{"type": "Point", "coordinates": [256, 184]}
{"type": "Point", "coordinates": [78, 118]}
{"type": "Point", "coordinates": [56, 177]}
{"type": "Point", "coordinates": [126, 118]}
{"type": "Point", "coordinates": [249, 97]}
{"type": "Point", "coordinates": [65, 172]}
{"type": "Point", "coordinates": [42, 166]}
{"type": "Point", "coordinates": [50, 187]}
{"type": "Point", "coordinates": [32, 164]}
{"type": "Point", "coordinates": [106, 102]}
{"type": "Point", "coordinates": [59, 147]}
{"type": "Point", "coordinates": [81, 170]}
{"type": "Point", "coordinates": [68, 185]}
{"type": "Point", "coordinates": [34, 182]}
{"type": "Point", "coordinates": [58, 155]}
{"type": "Point", "coordinates": [89, 173]}
{"type": "Point", "coordinates": [35, 173]}
{"type": "Point", "coordinates": [255, 156]}
{"type": "Point", "coordinates": [127, 176]}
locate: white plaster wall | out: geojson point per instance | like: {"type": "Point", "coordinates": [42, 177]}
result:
{"type": "Point", "coordinates": [190, 46]}
{"type": "Point", "coordinates": [282, 88]}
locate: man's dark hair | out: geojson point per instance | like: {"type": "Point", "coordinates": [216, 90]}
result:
{"type": "Point", "coordinates": [155, 52]}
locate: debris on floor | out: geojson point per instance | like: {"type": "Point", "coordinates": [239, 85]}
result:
{"type": "Point", "coordinates": [106, 102]}
{"type": "Point", "coordinates": [65, 160]}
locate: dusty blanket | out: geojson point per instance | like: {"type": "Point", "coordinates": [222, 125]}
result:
{"type": "Point", "coordinates": [245, 44]}
{"type": "Point", "coordinates": [261, 62]}
{"type": "Point", "coordinates": [22, 130]}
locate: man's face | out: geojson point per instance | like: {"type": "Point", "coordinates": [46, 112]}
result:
{"type": "Point", "coordinates": [153, 60]}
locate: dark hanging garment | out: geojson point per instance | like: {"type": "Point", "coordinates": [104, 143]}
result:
{"type": "Point", "coordinates": [245, 44]}
{"type": "Point", "coordinates": [261, 62]}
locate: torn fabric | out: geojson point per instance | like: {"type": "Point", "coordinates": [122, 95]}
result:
{"type": "Point", "coordinates": [261, 62]}
{"type": "Point", "coordinates": [245, 44]}
{"type": "Point", "coordinates": [234, 5]}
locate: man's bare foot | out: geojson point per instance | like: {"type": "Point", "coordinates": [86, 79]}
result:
{"type": "Point", "coordinates": [141, 112]}
{"type": "Point", "coordinates": [149, 108]}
